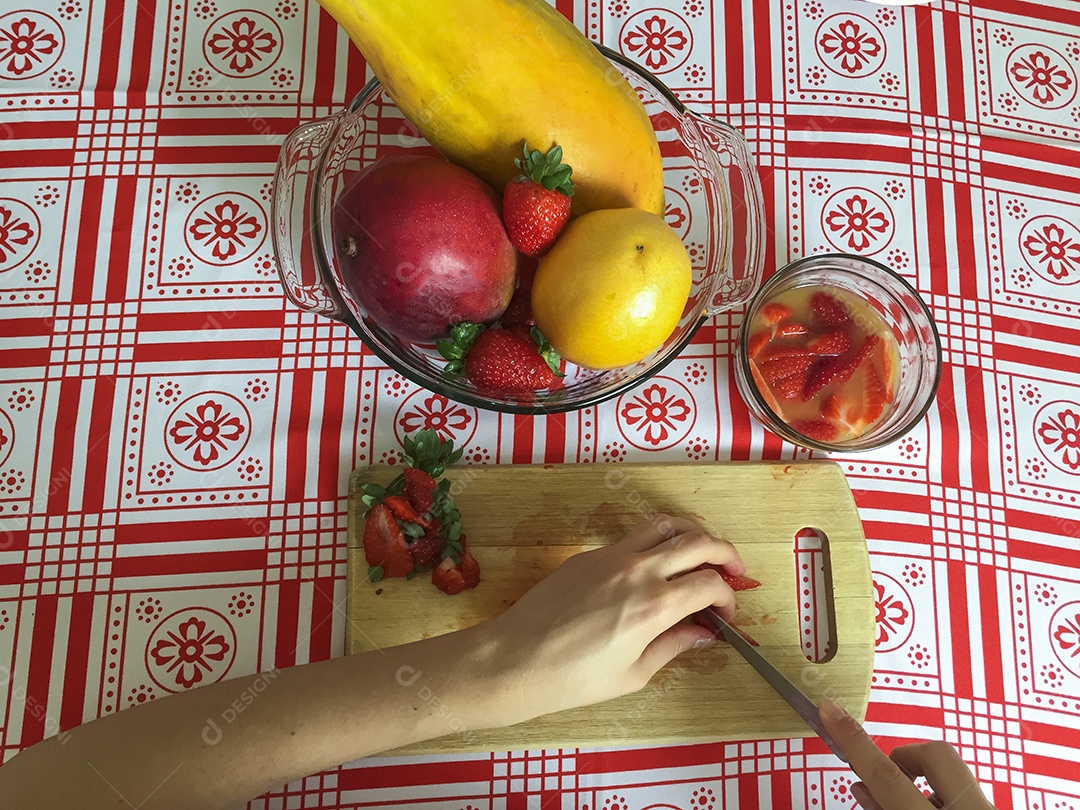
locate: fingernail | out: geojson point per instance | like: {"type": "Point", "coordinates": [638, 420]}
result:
{"type": "Point", "coordinates": [702, 643]}
{"type": "Point", "coordinates": [834, 710]}
{"type": "Point", "coordinates": [861, 794]}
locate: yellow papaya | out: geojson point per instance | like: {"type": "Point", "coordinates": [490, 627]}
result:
{"type": "Point", "coordinates": [479, 77]}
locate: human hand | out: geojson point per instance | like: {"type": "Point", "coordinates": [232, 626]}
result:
{"type": "Point", "coordinates": [887, 781]}
{"type": "Point", "coordinates": [607, 620]}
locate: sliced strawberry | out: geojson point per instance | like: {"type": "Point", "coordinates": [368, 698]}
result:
{"type": "Point", "coordinates": [740, 583]}
{"type": "Point", "coordinates": [829, 309]}
{"type": "Point", "coordinates": [836, 369]}
{"type": "Point", "coordinates": [427, 549]}
{"type": "Point", "coordinates": [778, 352]}
{"type": "Point", "coordinates": [883, 360]}
{"type": "Point", "coordinates": [874, 396]}
{"type": "Point", "coordinates": [451, 577]}
{"type": "Point", "coordinates": [403, 510]}
{"type": "Point", "coordinates": [867, 349]}
{"type": "Point", "coordinates": [833, 409]}
{"type": "Point", "coordinates": [817, 429]}
{"type": "Point", "coordinates": [737, 582]}
{"type": "Point", "coordinates": [774, 313]}
{"type": "Point", "coordinates": [384, 543]}
{"type": "Point", "coordinates": [823, 372]}
{"type": "Point", "coordinates": [757, 343]}
{"type": "Point", "coordinates": [845, 413]}
{"type": "Point", "coordinates": [775, 370]}
{"type": "Point", "coordinates": [857, 414]}
{"type": "Point", "coordinates": [790, 388]}
{"type": "Point", "coordinates": [765, 390]}
{"type": "Point", "coordinates": [419, 489]}
{"type": "Point", "coordinates": [470, 570]}
{"type": "Point", "coordinates": [833, 342]}
{"type": "Point", "coordinates": [446, 576]}
{"type": "Point", "coordinates": [794, 329]}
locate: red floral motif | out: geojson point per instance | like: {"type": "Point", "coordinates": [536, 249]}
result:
{"type": "Point", "coordinates": [15, 233]}
{"type": "Point", "coordinates": [703, 799]}
{"type": "Point", "coordinates": [437, 413]}
{"type": "Point", "coordinates": [677, 212]}
{"type": "Point", "coordinates": [1042, 76]}
{"type": "Point", "coordinates": [1053, 250]}
{"type": "Point", "coordinates": [655, 412]}
{"type": "Point", "coordinates": [183, 655]}
{"type": "Point", "coordinates": [658, 40]}
{"type": "Point", "coordinates": [850, 44]}
{"type": "Point", "coordinates": [24, 43]}
{"type": "Point", "coordinates": [858, 222]}
{"type": "Point", "coordinates": [1065, 635]}
{"type": "Point", "coordinates": [5, 437]}
{"type": "Point", "coordinates": [675, 216]}
{"type": "Point", "coordinates": [892, 616]}
{"type": "Point", "coordinates": [1060, 435]}
{"type": "Point", "coordinates": [228, 227]}
{"type": "Point", "coordinates": [243, 44]}
{"type": "Point", "coordinates": [206, 430]}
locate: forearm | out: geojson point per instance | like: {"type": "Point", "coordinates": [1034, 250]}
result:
{"type": "Point", "coordinates": [599, 627]}
{"type": "Point", "coordinates": [220, 745]}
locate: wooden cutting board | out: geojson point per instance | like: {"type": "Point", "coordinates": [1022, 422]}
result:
{"type": "Point", "coordinates": [523, 521]}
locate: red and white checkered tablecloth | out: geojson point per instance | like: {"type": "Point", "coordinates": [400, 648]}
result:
{"type": "Point", "coordinates": [942, 140]}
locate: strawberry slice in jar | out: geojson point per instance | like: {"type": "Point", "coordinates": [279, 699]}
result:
{"type": "Point", "coordinates": [832, 376]}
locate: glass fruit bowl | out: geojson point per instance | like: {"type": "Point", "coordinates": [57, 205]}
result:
{"type": "Point", "coordinates": [892, 381]}
{"type": "Point", "coordinates": [712, 197]}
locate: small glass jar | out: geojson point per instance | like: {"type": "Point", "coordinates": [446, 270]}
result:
{"type": "Point", "coordinates": [904, 313]}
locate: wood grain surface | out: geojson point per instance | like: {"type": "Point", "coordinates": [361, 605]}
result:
{"type": "Point", "coordinates": [523, 521]}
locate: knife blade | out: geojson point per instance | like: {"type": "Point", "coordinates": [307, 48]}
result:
{"type": "Point", "coordinates": [803, 706]}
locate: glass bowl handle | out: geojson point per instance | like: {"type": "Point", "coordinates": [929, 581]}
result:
{"type": "Point", "coordinates": [298, 249]}
{"type": "Point", "coordinates": [744, 208]}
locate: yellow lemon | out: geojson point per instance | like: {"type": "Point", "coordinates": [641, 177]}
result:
{"type": "Point", "coordinates": [612, 288]}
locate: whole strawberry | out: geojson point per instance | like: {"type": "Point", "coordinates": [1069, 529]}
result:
{"type": "Point", "coordinates": [507, 361]}
{"type": "Point", "coordinates": [512, 360]}
{"type": "Point", "coordinates": [536, 203]}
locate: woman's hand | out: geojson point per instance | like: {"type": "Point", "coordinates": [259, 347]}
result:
{"type": "Point", "coordinates": [603, 623]}
{"type": "Point", "coordinates": [887, 780]}
{"type": "Point", "coordinates": [599, 627]}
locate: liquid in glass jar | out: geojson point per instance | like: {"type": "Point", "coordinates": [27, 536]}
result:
{"type": "Point", "coordinates": [824, 361]}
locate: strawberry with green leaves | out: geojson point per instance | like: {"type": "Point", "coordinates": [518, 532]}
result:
{"type": "Point", "coordinates": [413, 524]}
{"type": "Point", "coordinates": [536, 203]}
{"type": "Point", "coordinates": [512, 360]}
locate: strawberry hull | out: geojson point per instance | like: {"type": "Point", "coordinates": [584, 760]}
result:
{"type": "Point", "coordinates": [422, 245]}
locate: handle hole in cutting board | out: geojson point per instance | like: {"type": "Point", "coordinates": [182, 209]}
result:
{"type": "Point", "coordinates": [814, 592]}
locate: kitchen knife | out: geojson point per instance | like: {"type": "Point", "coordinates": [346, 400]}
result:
{"type": "Point", "coordinates": [803, 706]}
